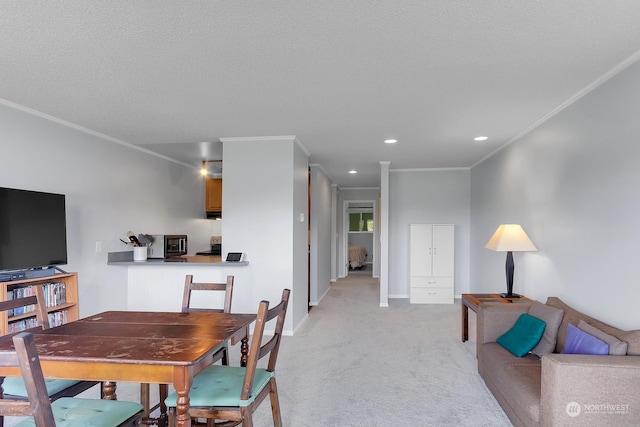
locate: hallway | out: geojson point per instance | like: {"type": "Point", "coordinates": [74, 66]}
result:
{"type": "Point", "coordinates": [353, 363]}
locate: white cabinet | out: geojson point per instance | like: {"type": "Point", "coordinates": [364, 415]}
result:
{"type": "Point", "coordinates": [431, 256]}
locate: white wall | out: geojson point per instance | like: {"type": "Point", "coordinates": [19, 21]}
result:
{"type": "Point", "coordinates": [572, 183]}
{"type": "Point", "coordinates": [334, 232]}
{"type": "Point", "coordinates": [300, 295]}
{"type": "Point", "coordinates": [110, 188]}
{"type": "Point", "coordinates": [321, 209]}
{"type": "Point", "coordinates": [427, 197]}
{"type": "Point", "coordinates": [264, 192]}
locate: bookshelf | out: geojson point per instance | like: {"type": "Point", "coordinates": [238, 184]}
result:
{"type": "Point", "coordinates": [61, 299]}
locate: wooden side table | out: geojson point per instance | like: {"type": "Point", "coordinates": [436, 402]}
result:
{"type": "Point", "coordinates": [472, 301]}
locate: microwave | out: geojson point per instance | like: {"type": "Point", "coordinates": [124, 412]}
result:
{"type": "Point", "coordinates": [168, 245]}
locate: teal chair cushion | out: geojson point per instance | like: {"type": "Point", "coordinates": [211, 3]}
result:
{"type": "Point", "coordinates": [221, 386]}
{"type": "Point", "coordinates": [72, 411]}
{"type": "Point", "coordinates": [15, 386]}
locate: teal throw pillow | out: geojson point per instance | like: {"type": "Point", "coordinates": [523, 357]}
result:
{"type": "Point", "coordinates": [523, 336]}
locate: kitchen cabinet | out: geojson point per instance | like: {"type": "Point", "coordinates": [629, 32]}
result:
{"type": "Point", "coordinates": [213, 195]}
{"type": "Point", "coordinates": [61, 299]}
{"type": "Point", "coordinates": [431, 263]}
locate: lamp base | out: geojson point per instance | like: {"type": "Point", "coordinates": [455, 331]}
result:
{"type": "Point", "coordinates": [506, 295]}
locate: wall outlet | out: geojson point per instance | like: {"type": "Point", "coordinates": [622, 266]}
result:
{"type": "Point", "coordinates": [98, 246]}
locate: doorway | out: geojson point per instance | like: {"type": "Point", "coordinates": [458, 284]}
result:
{"type": "Point", "coordinates": [359, 238]}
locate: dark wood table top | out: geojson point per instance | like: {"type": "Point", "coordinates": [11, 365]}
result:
{"type": "Point", "coordinates": [138, 337]}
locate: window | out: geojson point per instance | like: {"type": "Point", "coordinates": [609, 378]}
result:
{"type": "Point", "coordinates": [360, 221]}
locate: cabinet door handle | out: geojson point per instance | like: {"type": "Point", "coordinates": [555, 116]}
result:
{"type": "Point", "coordinates": [434, 251]}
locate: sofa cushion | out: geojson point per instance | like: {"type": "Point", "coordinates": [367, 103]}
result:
{"type": "Point", "coordinates": [580, 342]}
{"type": "Point", "coordinates": [518, 379]}
{"type": "Point", "coordinates": [616, 347]}
{"type": "Point", "coordinates": [523, 336]}
{"type": "Point", "coordinates": [574, 316]}
{"type": "Point", "coordinates": [552, 317]}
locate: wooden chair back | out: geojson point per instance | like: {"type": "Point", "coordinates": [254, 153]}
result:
{"type": "Point", "coordinates": [258, 349]}
{"type": "Point", "coordinates": [222, 354]}
{"type": "Point", "coordinates": [38, 405]}
{"type": "Point", "coordinates": [36, 301]}
{"type": "Point", "coordinates": [190, 285]}
{"type": "Point", "coordinates": [227, 416]}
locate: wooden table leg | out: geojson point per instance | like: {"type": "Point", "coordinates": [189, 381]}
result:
{"type": "Point", "coordinates": [145, 399]}
{"type": "Point", "coordinates": [182, 409]}
{"type": "Point", "coordinates": [109, 390]}
{"type": "Point", "coordinates": [182, 381]}
{"type": "Point", "coordinates": [465, 323]}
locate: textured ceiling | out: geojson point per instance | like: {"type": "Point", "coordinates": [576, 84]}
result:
{"type": "Point", "coordinates": [340, 75]}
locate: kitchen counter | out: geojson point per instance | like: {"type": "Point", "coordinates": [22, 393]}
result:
{"type": "Point", "coordinates": [126, 258]}
{"type": "Point", "coordinates": [158, 284]}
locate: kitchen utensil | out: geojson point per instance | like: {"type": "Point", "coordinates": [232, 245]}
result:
{"type": "Point", "coordinates": [133, 238]}
{"type": "Point", "coordinates": [145, 239]}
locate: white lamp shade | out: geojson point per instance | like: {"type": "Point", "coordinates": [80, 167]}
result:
{"type": "Point", "coordinates": [510, 237]}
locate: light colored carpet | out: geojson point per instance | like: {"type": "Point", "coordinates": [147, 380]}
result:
{"type": "Point", "coordinates": [355, 364]}
{"type": "Point", "coordinates": [366, 271]}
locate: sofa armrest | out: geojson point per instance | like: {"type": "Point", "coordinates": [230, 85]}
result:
{"type": "Point", "coordinates": [590, 390]}
{"type": "Point", "coordinates": [494, 319]}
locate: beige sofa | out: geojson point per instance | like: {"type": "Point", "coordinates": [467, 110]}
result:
{"type": "Point", "coordinates": [559, 389]}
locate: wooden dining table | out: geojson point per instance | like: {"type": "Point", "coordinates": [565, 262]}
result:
{"type": "Point", "coordinates": [136, 346]}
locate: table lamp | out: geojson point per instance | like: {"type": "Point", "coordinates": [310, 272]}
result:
{"type": "Point", "coordinates": [509, 238]}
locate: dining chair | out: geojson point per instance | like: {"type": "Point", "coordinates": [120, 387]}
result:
{"type": "Point", "coordinates": [222, 354]}
{"type": "Point", "coordinates": [14, 387]}
{"type": "Point", "coordinates": [232, 394]}
{"type": "Point", "coordinates": [66, 411]}
{"type": "Point", "coordinates": [227, 288]}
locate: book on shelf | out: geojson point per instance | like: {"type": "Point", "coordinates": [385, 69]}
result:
{"type": "Point", "coordinates": [55, 293]}
{"type": "Point", "coordinates": [56, 318]}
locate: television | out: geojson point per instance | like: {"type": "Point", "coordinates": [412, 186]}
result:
{"type": "Point", "coordinates": [33, 229]}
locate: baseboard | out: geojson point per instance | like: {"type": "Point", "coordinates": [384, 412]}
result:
{"type": "Point", "coordinates": [398, 296]}
{"type": "Point", "coordinates": [315, 303]}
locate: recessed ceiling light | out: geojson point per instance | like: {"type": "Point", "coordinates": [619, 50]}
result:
{"type": "Point", "coordinates": [390, 141]}
{"type": "Point", "coordinates": [481, 138]}
{"type": "Point", "coordinates": [352, 171]}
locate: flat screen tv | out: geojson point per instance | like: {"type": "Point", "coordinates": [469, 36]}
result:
{"type": "Point", "coordinates": [33, 229]}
